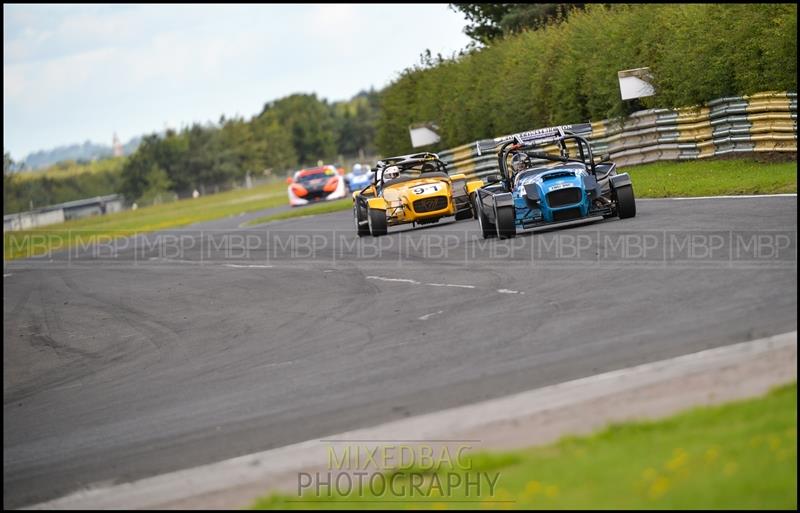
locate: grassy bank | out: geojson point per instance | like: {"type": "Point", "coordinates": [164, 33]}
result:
{"type": "Point", "coordinates": [157, 217]}
{"type": "Point", "coordinates": [738, 455]}
{"type": "Point", "coordinates": [712, 178]}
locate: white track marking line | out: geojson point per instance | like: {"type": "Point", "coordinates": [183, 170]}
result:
{"type": "Point", "coordinates": [428, 316]}
{"type": "Point", "coordinates": [253, 266]}
{"type": "Point", "coordinates": [450, 285]}
{"type": "Point", "coordinates": [431, 284]}
{"type": "Point", "coordinates": [743, 196]}
{"type": "Point", "coordinates": [400, 280]}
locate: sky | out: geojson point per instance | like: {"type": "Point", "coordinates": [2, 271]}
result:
{"type": "Point", "coordinates": [73, 73]}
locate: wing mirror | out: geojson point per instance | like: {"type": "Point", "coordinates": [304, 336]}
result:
{"type": "Point", "coordinates": [605, 157]}
{"type": "Point", "coordinates": [492, 179]}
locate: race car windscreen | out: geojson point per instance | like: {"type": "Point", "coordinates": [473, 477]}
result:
{"type": "Point", "coordinates": [315, 176]}
{"type": "Point", "coordinates": [545, 154]}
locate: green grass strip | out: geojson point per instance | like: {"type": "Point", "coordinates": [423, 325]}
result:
{"type": "Point", "coordinates": [712, 178]}
{"type": "Point", "coordinates": [175, 214]}
{"type": "Point", "coordinates": [737, 455]}
{"type": "Point", "coordinates": [310, 210]}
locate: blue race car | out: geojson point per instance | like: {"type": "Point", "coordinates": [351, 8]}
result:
{"type": "Point", "coordinates": [359, 177]}
{"type": "Point", "coordinates": [542, 183]}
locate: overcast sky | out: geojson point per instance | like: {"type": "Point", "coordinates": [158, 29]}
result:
{"type": "Point", "coordinates": [72, 73]}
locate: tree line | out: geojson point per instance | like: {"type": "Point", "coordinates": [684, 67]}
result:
{"type": "Point", "coordinates": [295, 131]}
{"type": "Point", "coordinates": [292, 132]}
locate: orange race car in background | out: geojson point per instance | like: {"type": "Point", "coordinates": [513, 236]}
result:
{"type": "Point", "coordinates": [316, 184]}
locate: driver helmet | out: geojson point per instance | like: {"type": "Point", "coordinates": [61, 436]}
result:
{"type": "Point", "coordinates": [390, 173]}
{"type": "Point", "coordinates": [520, 162]}
{"type": "Point", "coordinates": [356, 169]}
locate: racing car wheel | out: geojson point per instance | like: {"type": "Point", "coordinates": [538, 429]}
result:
{"type": "Point", "coordinates": [377, 222]}
{"type": "Point", "coordinates": [626, 204]}
{"type": "Point", "coordinates": [362, 225]}
{"type": "Point", "coordinates": [504, 220]}
{"type": "Point", "coordinates": [488, 229]}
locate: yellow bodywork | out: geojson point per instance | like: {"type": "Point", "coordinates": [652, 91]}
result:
{"type": "Point", "coordinates": [400, 200]}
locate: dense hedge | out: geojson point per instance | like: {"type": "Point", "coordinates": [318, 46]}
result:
{"type": "Point", "coordinates": [567, 73]}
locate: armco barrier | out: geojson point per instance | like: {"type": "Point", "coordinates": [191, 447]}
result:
{"type": "Point", "coordinates": [763, 122]}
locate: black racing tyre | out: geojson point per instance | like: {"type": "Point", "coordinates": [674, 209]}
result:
{"type": "Point", "coordinates": [626, 203]}
{"type": "Point", "coordinates": [487, 227]}
{"type": "Point", "coordinates": [377, 222]}
{"type": "Point", "coordinates": [464, 214]}
{"type": "Point", "coordinates": [472, 204]}
{"type": "Point", "coordinates": [361, 229]}
{"type": "Point", "coordinates": [504, 218]}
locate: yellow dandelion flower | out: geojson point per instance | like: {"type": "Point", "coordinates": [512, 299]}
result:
{"type": "Point", "coordinates": [551, 491]}
{"type": "Point", "coordinates": [659, 487]}
{"type": "Point", "coordinates": [532, 488]}
{"type": "Point", "coordinates": [679, 459]}
{"type": "Point", "coordinates": [439, 505]}
{"type": "Point", "coordinates": [774, 442]}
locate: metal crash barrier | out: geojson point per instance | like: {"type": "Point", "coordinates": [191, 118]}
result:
{"type": "Point", "coordinates": [763, 122]}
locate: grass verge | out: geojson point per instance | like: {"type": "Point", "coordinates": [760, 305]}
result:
{"type": "Point", "coordinates": [26, 243]}
{"type": "Point", "coordinates": [737, 455]}
{"type": "Point", "coordinates": [712, 178]}
{"type": "Point", "coordinates": [320, 208]}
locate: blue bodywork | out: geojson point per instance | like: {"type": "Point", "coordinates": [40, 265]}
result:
{"type": "Point", "coordinates": [551, 194]}
{"type": "Point", "coordinates": [358, 181]}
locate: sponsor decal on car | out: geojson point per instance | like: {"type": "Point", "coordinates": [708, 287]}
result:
{"type": "Point", "coordinates": [560, 186]}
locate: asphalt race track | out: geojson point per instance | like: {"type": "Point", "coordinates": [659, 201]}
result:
{"type": "Point", "coordinates": [179, 348]}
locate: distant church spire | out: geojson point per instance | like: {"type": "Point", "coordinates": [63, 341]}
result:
{"type": "Point", "coordinates": [117, 146]}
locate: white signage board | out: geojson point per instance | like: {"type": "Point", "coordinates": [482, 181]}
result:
{"type": "Point", "coordinates": [423, 135]}
{"type": "Point", "coordinates": [635, 83]}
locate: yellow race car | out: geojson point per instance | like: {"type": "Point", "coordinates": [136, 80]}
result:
{"type": "Point", "coordinates": [412, 189]}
